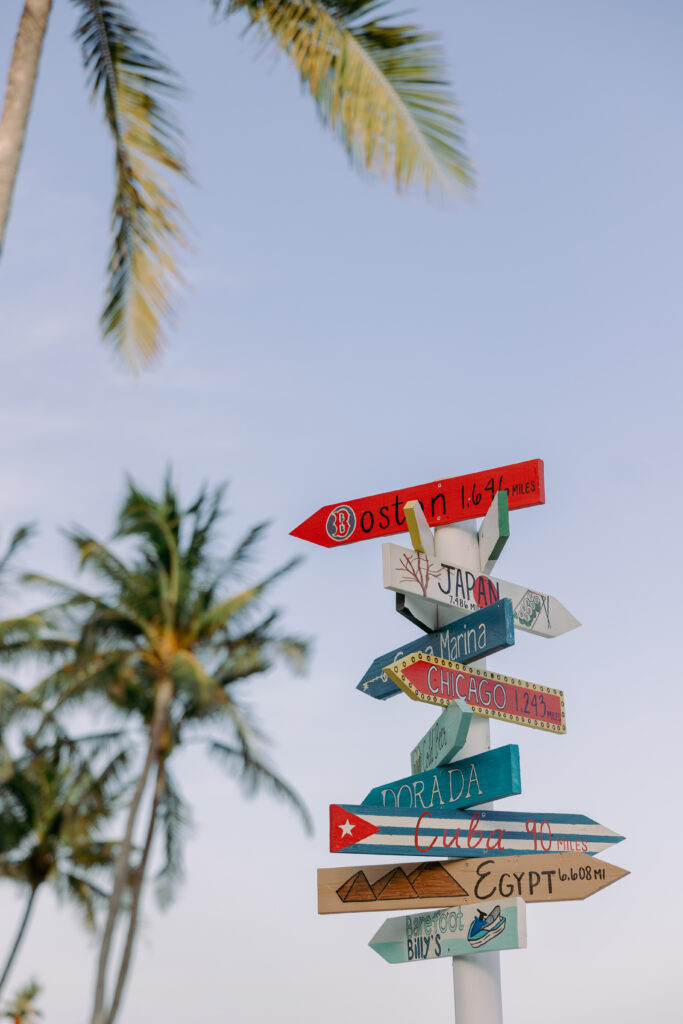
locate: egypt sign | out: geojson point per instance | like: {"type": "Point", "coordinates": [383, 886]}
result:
{"type": "Point", "coordinates": [456, 832]}
{"type": "Point", "coordinates": [479, 779]}
{"type": "Point", "coordinates": [473, 636]}
{"type": "Point", "coordinates": [536, 878]}
{"type": "Point", "coordinates": [411, 572]}
{"type": "Point", "coordinates": [482, 927]}
{"type": "Point", "coordinates": [444, 501]}
{"type": "Point", "coordinates": [439, 681]}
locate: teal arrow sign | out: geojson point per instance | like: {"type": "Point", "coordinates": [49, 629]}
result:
{"type": "Point", "coordinates": [456, 931]}
{"type": "Point", "coordinates": [445, 738]}
{"type": "Point", "coordinates": [464, 783]}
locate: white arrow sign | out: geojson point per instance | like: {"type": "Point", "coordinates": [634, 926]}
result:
{"type": "Point", "coordinates": [411, 572]}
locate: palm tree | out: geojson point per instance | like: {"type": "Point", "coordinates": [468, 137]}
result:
{"type": "Point", "coordinates": [381, 86]}
{"type": "Point", "coordinates": [22, 1009]}
{"type": "Point", "coordinates": [166, 639]}
{"type": "Point", "coordinates": [52, 807]}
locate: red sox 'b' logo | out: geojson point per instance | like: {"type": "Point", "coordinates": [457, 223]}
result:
{"type": "Point", "coordinates": [341, 523]}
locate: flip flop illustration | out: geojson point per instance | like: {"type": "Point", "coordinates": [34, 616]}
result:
{"type": "Point", "coordinates": [485, 927]}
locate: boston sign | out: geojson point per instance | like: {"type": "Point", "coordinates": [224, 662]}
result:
{"type": "Point", "coordinates": [444, 501]}
{"type": "Point", "coordinates": [439, 681]}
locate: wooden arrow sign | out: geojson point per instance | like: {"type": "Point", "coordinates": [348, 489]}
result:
{"type": "Point", "coordinates": [473, 636]}
{"type": "Point", "coordinates": [411, 572]}
{"type": "Point", "coordinates": [537, 878]}
{"type": "Point", "coordinates": [439, 681]}
{"type": "Point", "coordinates": [445, 501]}
{"type": "Point", "coordinates": [443, 741]}
{"type": "Point", "coordinates": [494, 532]}
{"type": "Point", "coordinates": [479, 779]}
{"type": "Point", "coordinates": [479, 928]}
{"type": "Point", "coordinates": [452, 832]}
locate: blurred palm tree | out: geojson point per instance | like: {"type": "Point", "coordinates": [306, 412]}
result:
{"type": "Point", "coordinates": [381, 86]}
{"type": "Point", "coordinates": [22, 1009]}
{"type": "Point", "coordinates": [52, 808]}
{"type": "Point", "coordinates": [166, 638]}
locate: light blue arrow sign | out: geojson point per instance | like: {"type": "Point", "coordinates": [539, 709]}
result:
{"type": "Point", "coordinates": [471, 637]}
{"type": "Point", "coordinates": [449, 832]}
{"type": "Point", "coordinates": [455, 931]}
{"type": "Point", "coordinates": [465, 783]}
{"type": "Point", "coordinates": [445, 738]}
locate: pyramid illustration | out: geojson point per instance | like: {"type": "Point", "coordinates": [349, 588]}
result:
{"type": "Point", "coordinates": [393, 886]}
{"type": "Point", "coordinates": [434, 880]}
{"type": "Point", "coordinates": [356, 889]}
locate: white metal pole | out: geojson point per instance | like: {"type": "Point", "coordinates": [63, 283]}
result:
{"type": "Point", "coordinates": [476, 979]}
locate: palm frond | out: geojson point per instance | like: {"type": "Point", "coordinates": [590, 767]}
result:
{"type": "Point", "coordinates": [253, 774]}
{"type": "Point", "coordinates": [175, 821]}
{"type": "Point", "coordinates": [136, 85]}
{"type": "Point", "coordinates": [19, 537]}
{"type": "Point", "coordinates": [381, 86]}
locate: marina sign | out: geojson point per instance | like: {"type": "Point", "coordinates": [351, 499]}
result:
{"type": "Point", "coordinates": [473, 636]}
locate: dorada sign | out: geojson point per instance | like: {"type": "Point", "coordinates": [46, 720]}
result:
{"type": "Point", "coordinates": [478, 779]}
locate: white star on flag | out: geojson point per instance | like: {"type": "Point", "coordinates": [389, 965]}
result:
{"type": "Point", "coordinates": [347, 828]}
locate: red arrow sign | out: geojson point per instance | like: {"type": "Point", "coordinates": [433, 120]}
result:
{"type": "Point", "coordinates": [439, 681]}
{"type": "Point", "coordinates": [444, 501]}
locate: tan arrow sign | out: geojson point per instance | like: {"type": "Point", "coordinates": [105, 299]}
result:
{"type": "Point", "coordinates": [536, 878]}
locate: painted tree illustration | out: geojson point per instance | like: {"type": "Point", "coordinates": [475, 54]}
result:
{"type": "Point", "coordinates": [419, 571]}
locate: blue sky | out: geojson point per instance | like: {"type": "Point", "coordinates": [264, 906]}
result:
{"type": "Point", "coordinates": [338, 341]}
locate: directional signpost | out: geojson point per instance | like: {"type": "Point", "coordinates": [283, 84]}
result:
{"type": "Point", "coordinates": [452, 932]}
{"type": "Point", "coordinates": [464, 783]}
{"type": "Point", "coordinates": [449, 832]}
{"type": "Point", "coordinates": [536, 878]}
{"type": "Point", "coordinates": [445, 501]}
{"type": "Point", "coordinates": [439, 681]}
{"type": "Point", "coordinates": [498, 861]}
{"type": "Point", "coordinates": [411, 572]}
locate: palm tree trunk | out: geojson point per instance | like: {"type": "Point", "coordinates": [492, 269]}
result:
{"type": "Point", "coordinates": [18, 97]}
{"type": "Point", "coordinates": [162, 706]}
{"type": "Point", "coordinates": [20, 935]}
{"type": "Point", "coordinates": [137, 890]}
